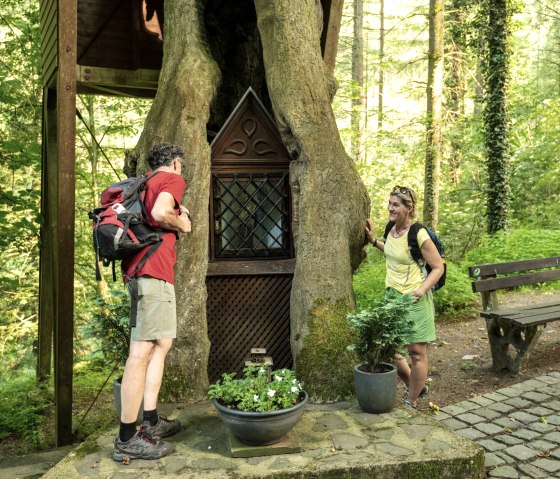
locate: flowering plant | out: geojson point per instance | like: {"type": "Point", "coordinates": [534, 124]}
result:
{"type": "Point", "coordinates": [259, 390]}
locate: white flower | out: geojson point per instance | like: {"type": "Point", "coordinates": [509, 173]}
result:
{"type": "Point", "coordinates": [283, 371]}
{"type": "Point", "coordinates": [255, 398]}
{"type": "Point", "coordinates": [294, 389]}
{"type": "Point", "coordinates": [262, 371]}
{"type": "Point", "coordinates": [271, 393]}
{"type": "Point", "coordinates": [278, 378]}
{"type": "Point", "coordinates": [294, 381]}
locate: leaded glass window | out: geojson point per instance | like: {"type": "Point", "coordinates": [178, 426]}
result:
{"type": "Point", "coordinates": [251, 214]}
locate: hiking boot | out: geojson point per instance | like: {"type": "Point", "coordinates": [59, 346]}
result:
{"type": "Point", "coordinates": [163, 428]}
{"type": "Point", "coordinates": [140, 446]}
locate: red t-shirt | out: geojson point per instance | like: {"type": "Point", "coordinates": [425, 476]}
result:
{"type": "Point", "coordinates": [161, 264]}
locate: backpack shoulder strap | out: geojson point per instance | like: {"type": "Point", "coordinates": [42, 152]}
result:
{"type": "Point", "coordinates": [387, 229]}
{"type": "Point", "coordinates": [413, 241]}
{"type": "Point", "coordinates": [138, 185]}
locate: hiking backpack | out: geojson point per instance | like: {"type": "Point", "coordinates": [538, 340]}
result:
{"type": "Point", "coordinates": [416, 253]}
{"type": "Point", "coordinates": [120, 225]}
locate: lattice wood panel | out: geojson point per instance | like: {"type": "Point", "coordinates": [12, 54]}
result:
{"type": "Point", "coordinates": [247, 312]}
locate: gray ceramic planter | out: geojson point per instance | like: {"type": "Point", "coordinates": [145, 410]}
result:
{"type": "Point", "coordinates": [376, 392]}
{"type": "Point", "coordinates": [261, 428]}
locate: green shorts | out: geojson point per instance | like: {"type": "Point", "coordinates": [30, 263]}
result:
{"type": "Point", "coordinates": [423, 316]}
{"type": "Point", "coordinates": [156, 317]}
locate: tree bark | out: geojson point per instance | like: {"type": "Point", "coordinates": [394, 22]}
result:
{"type": "Point", "coordinates": [434, 114]}
{"type": "Point", "coordinates": [187, 85]}
{"type": "Point", "coordinates": [329, 198]}
{"type": "Point", "coordinates": [381, 79]}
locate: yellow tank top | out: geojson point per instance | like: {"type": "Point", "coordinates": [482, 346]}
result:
{"type": "Point", "coordinates": [403, 273]}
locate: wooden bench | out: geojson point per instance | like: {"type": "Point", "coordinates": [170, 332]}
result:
{"type": "Point", "coordinates": [513, 332]}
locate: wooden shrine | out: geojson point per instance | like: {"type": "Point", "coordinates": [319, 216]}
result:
{"type": "Point", "coordinates": [114, 47]}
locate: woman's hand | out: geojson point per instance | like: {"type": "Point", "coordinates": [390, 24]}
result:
{"type": "Point", "coordinates": [369, 231]}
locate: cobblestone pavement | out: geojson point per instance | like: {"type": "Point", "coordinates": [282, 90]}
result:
{"type": "Point", "coordinates": [518, 427]}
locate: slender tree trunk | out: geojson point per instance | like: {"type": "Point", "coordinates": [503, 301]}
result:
{"type": "Point", "coordinates": [381, 79]}
{"type": "Point", "coordinates": [456, 82]}
{"type": "Point", "coordinates": [187, 85]}
{"type": "Point", "coordinates": [329, 198]}
{"type": "Point", "coordinates": [434, 114]}
{"type": "Point", "coordinates": [357, 118]}
{"type": "Point", "coordinates": [496, 115]}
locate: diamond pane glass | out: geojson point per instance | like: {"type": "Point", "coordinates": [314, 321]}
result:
{"type": "Point", "coordinates": [251, 215]}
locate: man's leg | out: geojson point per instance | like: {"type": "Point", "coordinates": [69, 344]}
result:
{"type": "Point", "coordinates": [154, 373]}
{"type": "Point", "coordinates": [134, 379]}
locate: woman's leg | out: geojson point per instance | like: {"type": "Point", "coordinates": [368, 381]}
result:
{"type": "Point", "coordinates": [403, 369]}
{"type": "Point", "coordinates": [419, 370]}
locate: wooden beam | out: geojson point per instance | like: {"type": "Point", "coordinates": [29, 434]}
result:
{"type": "Point", "coordinates": [64, 217]}
{"type": "Point", "coordinates": [492, 269]}
{"type": "Point", "coordinates": [332, 17]}
{"type": "Point", "coordinates": [95, 77]}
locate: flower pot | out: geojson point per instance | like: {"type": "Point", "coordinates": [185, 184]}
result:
{"type": "Point", "coordinates": [376, 392]}
{"type": "Point", "coordinates": [261, 428]}
{"type": "Point", "coordinates": [118, 407]}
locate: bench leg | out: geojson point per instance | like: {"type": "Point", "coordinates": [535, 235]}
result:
{"type": "Point", "coordinates": [511, 346]}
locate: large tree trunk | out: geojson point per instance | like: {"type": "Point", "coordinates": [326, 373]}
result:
{"type": "Point", "coordinates": [330, 201]}
{"type": "Point", "coordinates": [223, 50]}
{"type": "Point", "coordinates": [434, 115]}
{"type": "Point", "coordinates": [187, 85]}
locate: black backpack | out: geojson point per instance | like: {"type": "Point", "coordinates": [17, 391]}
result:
{"type": "Point", "coordinates": [416, 253]}
{"type": "Point", "coordinates": [120, 226]}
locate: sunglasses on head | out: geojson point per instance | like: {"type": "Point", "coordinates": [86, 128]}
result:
{"type": "Point", "coordinates": [403, 190]}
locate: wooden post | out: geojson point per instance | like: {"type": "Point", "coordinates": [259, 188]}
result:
{"type": "Point", "coordinates": [64, 217]}
{"type": "Point", "coordinates": [46, 274]}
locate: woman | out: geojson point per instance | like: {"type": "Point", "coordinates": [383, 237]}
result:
{"type": "Point", "coordinates": [406, 277]}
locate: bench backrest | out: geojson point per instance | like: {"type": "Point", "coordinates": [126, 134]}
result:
{"type": "Point", "coordinates": [486, 280]}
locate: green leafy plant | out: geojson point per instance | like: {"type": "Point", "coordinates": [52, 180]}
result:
{"type": "Point", "coordinates": [380, 329]}
{"type": "Point", "coordinates": [258, 390]}
{"type": "Point", "coordinates": [109, 326]}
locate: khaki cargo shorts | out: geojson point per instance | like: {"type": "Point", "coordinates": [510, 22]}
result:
{"type": "Point", "coordinates": [156, 317]}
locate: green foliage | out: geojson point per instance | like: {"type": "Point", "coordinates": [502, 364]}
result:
{"type": "Point", "coordinates": [23, 404]}
{"type": "Point", "coordinates": [108, 328]}
{"type": "Point", "coordinates": [381, 329]}
{"type": "Point", "coordinates": [456, 298]}
{"type": "Point", "coordinates": [259, 389]}
{"type": "Point", "coordinates": [514, 245]}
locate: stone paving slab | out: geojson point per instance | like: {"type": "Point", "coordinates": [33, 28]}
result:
{"type": "Point", "coordinates": [338, 441]}
{"type": "Point", "coordinates": [521, 435]}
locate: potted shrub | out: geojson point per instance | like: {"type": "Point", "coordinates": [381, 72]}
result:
{"type": "Point", "coordinates": [261, 407]}
{"type": "Point", "coordinates": [380, 330]}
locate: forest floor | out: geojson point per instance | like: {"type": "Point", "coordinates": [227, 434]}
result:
{"type": "Point", "coordinates": [459, 368]}
{"type": "Point", "coordinates": [460, 363]}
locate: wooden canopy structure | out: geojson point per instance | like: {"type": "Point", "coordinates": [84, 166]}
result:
{"type": "Point", "coordinates": [107, 47]}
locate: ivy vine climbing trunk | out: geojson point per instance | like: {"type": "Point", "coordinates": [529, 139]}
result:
{"type": "Point", "coordinates": [495, 71]}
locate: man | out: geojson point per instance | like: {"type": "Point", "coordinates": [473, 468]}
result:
{"type": "Point", "coordinates": [154, 325]}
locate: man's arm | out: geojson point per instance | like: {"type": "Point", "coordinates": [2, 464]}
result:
{"type": "Point", "coordinates": [165, 215]}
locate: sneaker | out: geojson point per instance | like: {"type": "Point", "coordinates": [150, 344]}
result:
{"type": "Point", "coordinates": [140, 446]}
{"type": "Point", "coordinates": [163, 428]}
{"type": "Point", "coordinates": [424, 391]}
{"type": "Point", "coordinates": [410, 404]}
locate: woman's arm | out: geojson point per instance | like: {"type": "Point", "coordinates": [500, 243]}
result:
{"type": "Point", "coordinates": [432, 257]}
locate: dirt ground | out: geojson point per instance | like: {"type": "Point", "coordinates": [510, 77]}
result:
{"type": "Point", "coordinates": [453, 377]}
